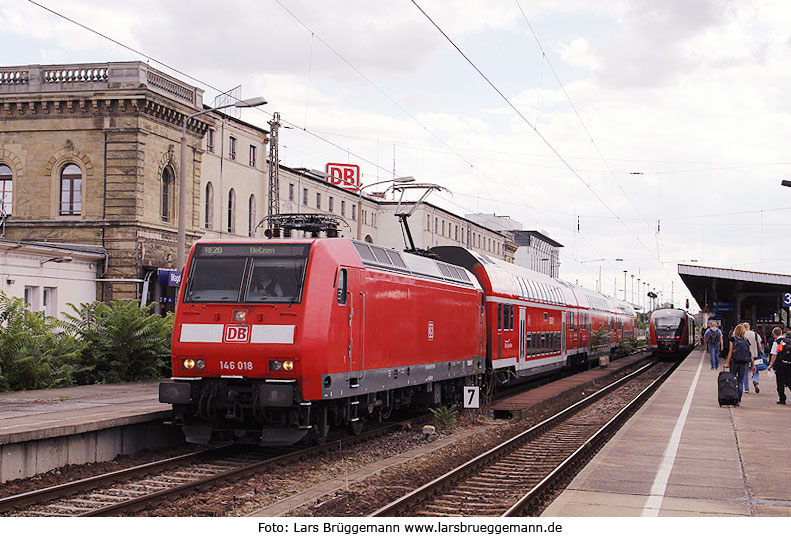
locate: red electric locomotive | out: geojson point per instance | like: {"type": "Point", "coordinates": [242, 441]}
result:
{"type": "Point", "coordinates": [275, 341]}
{"type": "Point", "coordinates": [672, 332]}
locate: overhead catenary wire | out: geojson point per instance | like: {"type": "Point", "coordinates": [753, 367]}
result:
{"type": "Point", "coordinates": [527, 121]}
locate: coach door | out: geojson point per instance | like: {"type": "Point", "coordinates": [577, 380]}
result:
{"type": "Point", "coordinates": [563, 332]}
{"type": "Point", "coordinates": [522, 328]}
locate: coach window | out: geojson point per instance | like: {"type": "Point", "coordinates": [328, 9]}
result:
{"type": "Point", "coordinates": [341, 290]}
{"type": "Point", "coordinates": [6, 189]}
{"type": "Point", "coordinates": [71, 190]}
{"type": "Point", "coordinates": [499, 316]}
{"type": "Point", "coordinates": [511, 316]}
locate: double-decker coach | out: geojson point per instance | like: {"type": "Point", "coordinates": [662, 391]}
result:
{"type": "Point", "coordinates": [537, 324]}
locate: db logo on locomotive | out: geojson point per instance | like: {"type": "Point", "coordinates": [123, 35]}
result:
{"type": "Point", "coordinates": [236, 333]}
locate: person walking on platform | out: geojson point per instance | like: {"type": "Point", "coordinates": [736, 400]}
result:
{"type": "Point", "coordinates": [739, 358]}
{"type": "Point", "coordinates": [781, 363]}
{"type": "Point", "coordinates": [714, 344]}
{"type": "Point", "coordinates": [756, 346]}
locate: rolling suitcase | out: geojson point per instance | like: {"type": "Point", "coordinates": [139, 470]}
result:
{"type": "Point", "coordinates": [727, 389]}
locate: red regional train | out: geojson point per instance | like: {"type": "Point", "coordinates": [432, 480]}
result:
{"type": "Point", "coordinates": [277, 341]}
{"type": "Point", "coordinates": [672, 332]}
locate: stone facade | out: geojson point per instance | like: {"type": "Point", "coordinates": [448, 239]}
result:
{"type": "Point", "coordinates": [120, 125]}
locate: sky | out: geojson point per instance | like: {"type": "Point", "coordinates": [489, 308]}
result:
{"type": "Point", "coordinates": [639, 134]}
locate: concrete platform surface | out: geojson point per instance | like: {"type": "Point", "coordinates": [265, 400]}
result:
{"type": "Point", "coordinates": [41, 414]}
{"type": "Point", "coordinates": [684, 455]}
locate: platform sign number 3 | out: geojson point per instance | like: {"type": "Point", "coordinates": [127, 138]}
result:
{"type": "Point", "coordinates": [786, 300]}
{"type": "Point", "coordinates": [472, 397]}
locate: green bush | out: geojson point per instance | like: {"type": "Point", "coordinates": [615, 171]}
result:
{"type": "Point", "coordinates": [625, 348]}
{"type": "Point", "coordinates": [120, 342]}
{"type": "Point", "coordinates": [100, 343]}
{"type": "Point", "coordinates": [35, 352]}
{"type": "Point", "coordinates": [445, 416]}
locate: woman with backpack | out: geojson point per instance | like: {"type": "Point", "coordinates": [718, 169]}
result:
{"type": "Point", "coordinates": [739, 358]}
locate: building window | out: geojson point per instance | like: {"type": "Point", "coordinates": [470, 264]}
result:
{"type": "Point", "coordinates": [428, 222]}
{"type": "Point", "coordinates": [71, 190]}
{"type": "Point", "coordinates": [6, 189]}
{"type": "Point", "coordinates": [443, 228]}
{"type": "Point", "coordinates": [330, 204]}
{"type": "Point", "coordinates": [354, 212]}
{"type": "Point", "coordinates": [31, 298]}
{"type": "Point", "coordinates": [252, 155]}
{"type": "Point", "coordinates": [318, 200]}
{"type": "Point", "coordinates": [365, 217]}
{"type": "Point", "coordinates": [305, 197]}
{"type": "Point", "coordinates": [232, 211]}
{"type": "Point", "coordinates": [232, 148]}
{"type": "Point", "coordinates": [168, 182]}
{"type": "Point", "coordinates": [50, 301]}
{"type": "Point", "coordinates": [456, 233]}
{"type": "Point", "coordinates": [343, 207]}
{"type": "Point", "coordinates": [251, 223]}
{"type": "Point", "coordinates": [291, 192]}
{"type": "Point", "coordinates": [208, 210]}
{"type": "Point", "coordinates": [210, 140]}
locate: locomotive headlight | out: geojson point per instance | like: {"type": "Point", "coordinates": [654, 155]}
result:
{"type": "Point", "coordinates": [281, 365]}
{"type": "Point", "coordinates": [239, 316]}
{"type": "Point", "coordinates": [200, 364]}
{"type": "Point", "coordinates": [189, 363]}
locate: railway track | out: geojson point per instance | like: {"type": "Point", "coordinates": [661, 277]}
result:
{"type": "Point", "coordinates": [536, 460]}
{"type": "Point", "coordinates": [138, 487]}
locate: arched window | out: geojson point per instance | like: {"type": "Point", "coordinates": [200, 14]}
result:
{"type": "Point", "coordinates": [251, 223]}
{"type": "Point", "coordinates": [71, 190]}
{"type": "Point", "coordinates": [6, 189]}
{"type": "Point", "coordinates": [168, 181]}
{"type": "Point", "coordinates": [209, 208]}
{"type": "Point", "coordinates": [232, 211]}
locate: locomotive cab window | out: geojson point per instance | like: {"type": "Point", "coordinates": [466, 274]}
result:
{"type": "Point", "coordinates": [247, 273]}
{"type": "Point", "coordinates": [341, 290]}
{"type": "Point", "coordinates": [277, 279]}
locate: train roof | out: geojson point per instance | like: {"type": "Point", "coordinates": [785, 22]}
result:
{"type": "Point", "coordinates": [509, 279]}
{"type": "Point", "coordinates": [380, 257]}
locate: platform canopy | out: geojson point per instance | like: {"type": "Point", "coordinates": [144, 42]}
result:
{"type": "Point", "coordinates": [732, 296]}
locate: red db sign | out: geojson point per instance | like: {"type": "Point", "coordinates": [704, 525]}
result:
{"type": "Point", "coordinates": [237, 333]}
{"type": "Point", "coordinates": [343, 175]}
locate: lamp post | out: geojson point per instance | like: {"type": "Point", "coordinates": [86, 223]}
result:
{"type": "Point", "coordinates": [407, 179]}
{"type": "Point", "coordinates": [182, 223]}
{"type": "Point", "coordinates": [624, 286]}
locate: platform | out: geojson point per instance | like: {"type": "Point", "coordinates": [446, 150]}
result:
{"type": "Point", "coordinates": [45, 429]}
{"type": "Point", "coordinates": [684, 455]}
{"type": "Point", "coordinates": [536, 399]}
